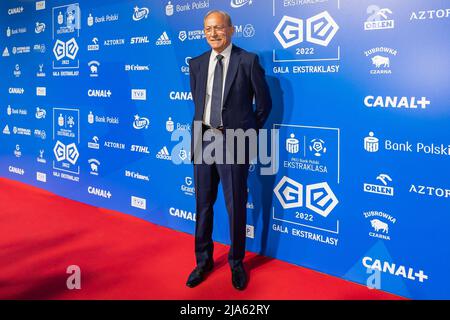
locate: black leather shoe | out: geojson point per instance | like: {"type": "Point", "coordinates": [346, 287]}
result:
{"type": "Point", "coordinates": [198, 275]}
{"type": "Point", "coordinates": [239, 277]}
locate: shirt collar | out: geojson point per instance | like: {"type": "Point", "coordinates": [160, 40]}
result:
{"type": "Point", "coordinates": [225, 53]}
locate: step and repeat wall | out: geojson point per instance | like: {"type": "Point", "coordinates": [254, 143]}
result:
{"type": "Point", "coordinates": [95, 106]}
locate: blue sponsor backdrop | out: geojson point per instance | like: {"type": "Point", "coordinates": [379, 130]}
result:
{"type": "Point", "coordinates": [95, 106]}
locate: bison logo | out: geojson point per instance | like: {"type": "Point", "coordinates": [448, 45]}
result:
{"type": "Point", "coordinates": [379, 225]}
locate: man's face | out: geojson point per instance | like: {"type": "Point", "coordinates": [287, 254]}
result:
{"type": "Point", "coordinates": [218, 32]}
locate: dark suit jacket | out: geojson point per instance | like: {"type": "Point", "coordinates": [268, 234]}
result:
{"type": "Point", "coordinates": [245, 80]}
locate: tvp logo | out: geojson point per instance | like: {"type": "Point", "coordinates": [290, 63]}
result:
{"type": "Point", "coordinates": [320, 29]}
{"type": "Point", "coordinates": [318, 197]}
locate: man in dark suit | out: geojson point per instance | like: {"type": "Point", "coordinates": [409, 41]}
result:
{"type": "Point", "coordinates": [224, 83]}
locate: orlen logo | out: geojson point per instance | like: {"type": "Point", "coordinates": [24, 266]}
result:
{"type": "Point", "coordinates": [140, 13]}
{"type": "Point", "coordinates": [319, 197]}
{"type": "Point", "coordinates": [99, 192]}
{"type": "Point", "coordinates": [394, 269]}
{"type": "Point", "coordinates": [320, 29]}
{"type": "Point", "coordinates": [67, 49]}
{"type": "Point", "coordinates": [240, 3]}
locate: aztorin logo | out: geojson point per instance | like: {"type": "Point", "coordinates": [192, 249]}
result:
{"type": "Point", "coordinates": [319, 197]}
{"type": "Point", "coordinates": [140, 122]}
{"type": "Point", "coordinates": [63, 152]}
{"type": "Point", "coordinates": [320, 29]}
{"type": "Point", "coordinates": [67, 49]}
{"type": "Point", "coordinates": [140, 13]}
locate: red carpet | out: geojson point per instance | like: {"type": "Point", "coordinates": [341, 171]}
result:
{"type": "Point", "coordinates": [122, 257]}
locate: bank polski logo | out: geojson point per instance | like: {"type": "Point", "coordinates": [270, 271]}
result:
{"type": "Point", "coordinates": [169, 9]}
{"type": "Point", "coordinates": [140, 13]}
{"type": "Point", "coordinates": [240, 3]}
{"type": "Point", "coordinates": [378, 18]}
{"type": "Point", "coordinates": [63, 152]}
{"type": "Point", "coordinates": [170, 127]}
{"type": "Point", "coordinates": [67, 49]}
{"type": "Point", "coordinates": [371, 143]}
{"type": "Point", "coordinates": [292, 144]}
{"type": "Point", "coordinates": [317, 146]}
{"type": "Point", "coordinates": [320, 30]}
{"type": "Point", "coordinates": [140, 122]}
{"type": "Point", "coordinates": [40, 27]}
{"type": "Point", "coordinates": [318, 197]}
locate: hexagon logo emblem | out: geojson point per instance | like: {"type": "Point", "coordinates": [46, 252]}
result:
{"type": "Point", "coordinates": [71, 49]}
{"type": "Point", "coordinates": [289, 193]}
{"type": "Point", "coordinates": [60, 151]}
{"type": "Point", "coordinates": [321, 28]}
{"type": "Point", "coordinates": [289, 31]}
{"type": "Point", "coordinates": [59, 50]}
{"type": "Point", "coordinates": [72, 153]}
{"type": "Point", "coordinates": [320, 198]}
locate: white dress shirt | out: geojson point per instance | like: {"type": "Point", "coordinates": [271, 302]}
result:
{"type": "Point", "coordinates": [209, 85]}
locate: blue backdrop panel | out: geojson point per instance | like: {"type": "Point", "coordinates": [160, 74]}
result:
{"type": "Point", "coordinates": [95, 106]}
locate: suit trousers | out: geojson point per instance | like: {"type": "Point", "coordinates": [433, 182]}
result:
{"type": "Point", "coordinates": [234, 184]}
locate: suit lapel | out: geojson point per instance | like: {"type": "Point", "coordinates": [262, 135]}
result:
{"type": "Point", "coordinates": [203, 78]}
{"type": "Point", "coordinates": [231, 73]}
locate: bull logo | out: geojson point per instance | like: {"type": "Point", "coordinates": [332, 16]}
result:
{"type": "Point", "coordinates": [378, 225]}
{"type": "Point", "coordinates": [380, 61]}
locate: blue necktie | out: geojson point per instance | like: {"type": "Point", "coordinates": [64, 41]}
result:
{"type": "Point", "coordinates": [216, 100]}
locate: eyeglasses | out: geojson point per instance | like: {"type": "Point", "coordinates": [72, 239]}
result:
{"type": "Point", "coordinates": [218, 29]}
